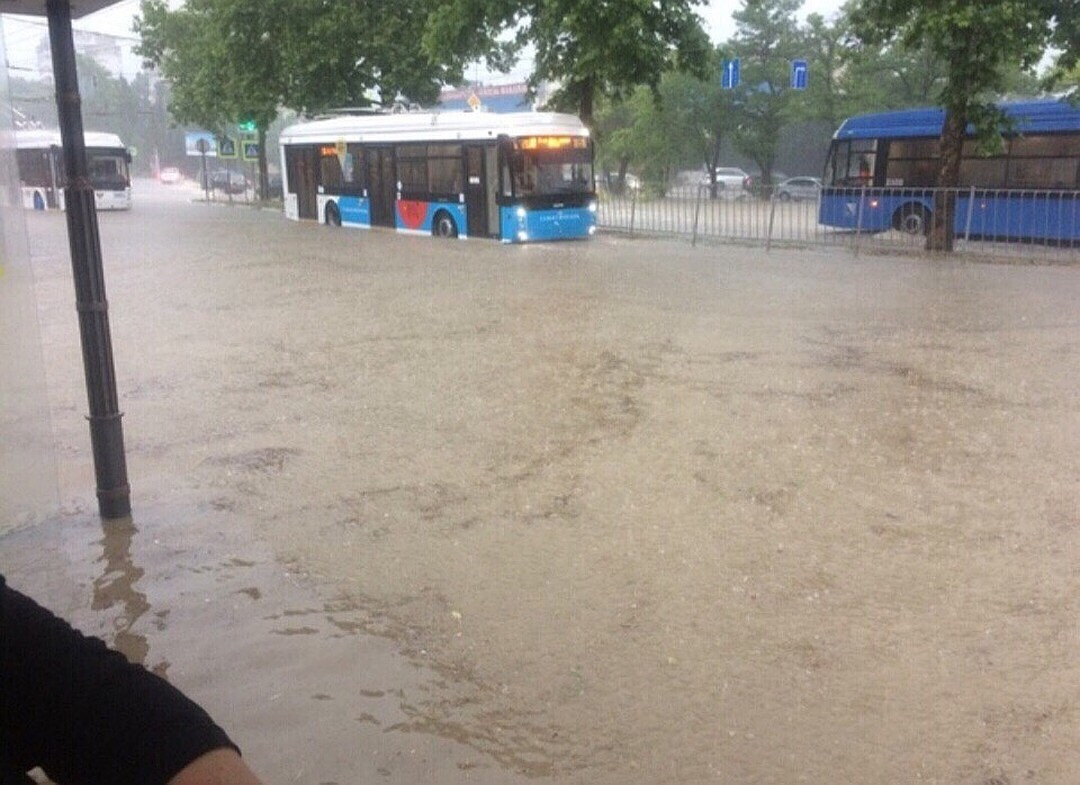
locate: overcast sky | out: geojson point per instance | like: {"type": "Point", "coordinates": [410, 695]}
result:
{"type": "Point", "coordinates": [22, 37]}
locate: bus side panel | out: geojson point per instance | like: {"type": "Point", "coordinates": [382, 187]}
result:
{"type": "Point", "coordinates": [561, 223]}
{"type": "Point", "coordinates": [416, 216]}
{"type": "Point", "coordinates": [292, 207]}
{"type": "Point", "coordinates": [355, 211]}
{"type": "Point", "coordinates": [1016, 215]}
{"type": "Point", "coordinates": [872, 210]}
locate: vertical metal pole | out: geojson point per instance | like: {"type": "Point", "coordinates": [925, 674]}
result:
{"type": "Point", "coordinates": [106, 432]}
{"type": "Point", "coordinates": [697, 214]}
{"type": "Point", "coordinates": [858, 219]}
{"type": "Point", "coordinates": [772, 218]}
{"type": "Point", "coordinates": [633, 206]}
{"type": "Point", "coordinates": [971, 209]}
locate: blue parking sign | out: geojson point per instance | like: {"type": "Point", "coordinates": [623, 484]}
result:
{"type": "Point", "coordinates": [798, 74]}
{"type": "Point", "coordinates": [729, 76]}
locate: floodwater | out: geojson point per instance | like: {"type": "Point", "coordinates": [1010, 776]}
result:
{"type": "Point", "coordinates": [608, 512]}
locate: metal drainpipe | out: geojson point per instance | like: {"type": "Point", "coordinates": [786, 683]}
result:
{"type": "Point", "coordinates": [106, 432]}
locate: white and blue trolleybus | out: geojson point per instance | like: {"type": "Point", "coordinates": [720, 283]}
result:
{"type": "Point", "coordinates": [39, 154]}
{"type": "Point", "coordinates": [517, 177]}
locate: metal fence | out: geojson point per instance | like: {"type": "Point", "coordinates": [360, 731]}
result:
{"type": "Point", "coordinates": [1033, 225]}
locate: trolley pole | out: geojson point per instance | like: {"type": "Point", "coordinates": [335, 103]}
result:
{"type": "Point", "coordinates": [106, 432]}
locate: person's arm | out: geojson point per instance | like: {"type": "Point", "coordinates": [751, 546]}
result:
{"type": "Point", "coordinates": [220, 767]}
{"type": "Point", "coordinates": [83, 713]}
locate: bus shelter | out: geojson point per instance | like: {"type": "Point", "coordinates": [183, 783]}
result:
{"type": "Point", "coordinates": [106, 432]}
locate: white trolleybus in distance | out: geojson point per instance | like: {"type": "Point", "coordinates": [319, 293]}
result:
{"type": "Point", "coordinates": [40, 158]}
{"type": "Point", "coordinates": [517, 177]}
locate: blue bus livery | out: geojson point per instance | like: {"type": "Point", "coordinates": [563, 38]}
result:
{"type": "Point", "coordinates": [882, 170]}
{"type": "Point", "coordinates": [517, 177]}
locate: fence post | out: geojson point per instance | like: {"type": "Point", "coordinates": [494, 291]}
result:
{"type": "Point", "coordinates": [971, 209]}
{"type": "Point", "coordinates": [633, 207]}
{"type": "Point", "coordinates": [772, 217]}
{"type": "Point", "coordinates": [858, 219]}
{"type": "Point", "coordinates": [697, 213]}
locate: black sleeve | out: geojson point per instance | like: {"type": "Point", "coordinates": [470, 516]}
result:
{"type": "Point", "coordinates": [82, 712]}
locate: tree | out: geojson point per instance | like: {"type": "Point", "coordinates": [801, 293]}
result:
{"type": "Point", "coordinates": [766, 40]}
{"type": "Point", "coordinates": [978, 41]}
{"type": "Point", "coordinates": [591, 49]}
{"type": "Point", "coordinates": [233, 60]}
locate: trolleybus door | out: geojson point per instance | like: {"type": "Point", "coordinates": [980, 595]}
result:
{"type": "Point", "coordinates": [382, 187]}
{"type": "Point", "coordinates": [476, 202]}
{"type": "Point", "coordinates": [301, 163]}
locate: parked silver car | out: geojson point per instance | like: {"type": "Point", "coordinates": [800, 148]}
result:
{"type": "Point", "coordinates": [798, 188]}
{"type": "Point", "coordinates": [733, 183]}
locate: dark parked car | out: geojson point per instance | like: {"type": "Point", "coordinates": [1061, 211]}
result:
{"type": "Point", "coordinates": [228, 182]}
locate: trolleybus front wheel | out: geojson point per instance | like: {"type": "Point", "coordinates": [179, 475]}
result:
{"type": "Point", "coordinates": [333, 215]}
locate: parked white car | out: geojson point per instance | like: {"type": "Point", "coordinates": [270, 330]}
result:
{"type": "Point", "coordinates": [795, 188]}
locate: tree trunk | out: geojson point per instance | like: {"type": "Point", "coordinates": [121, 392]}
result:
{"type": "Point", "coordinates": [585, 101]}
{"type": "Point", "coordinates": [624, 165]}
{"type": "Point", "coordinates": [713, 190]}
{"type": "Point", "coordinates": [943, 218]}
{"type": "Point", "coordinates": [264, 178]}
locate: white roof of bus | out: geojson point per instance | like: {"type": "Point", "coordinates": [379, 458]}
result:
{"type": "Point", "coordinates": [432, 127]}
{"type": "Point", "coordinates": [24, 139]}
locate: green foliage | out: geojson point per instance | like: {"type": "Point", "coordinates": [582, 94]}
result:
{"type": "Point", "coordinates": [232, 60]}
{"type": "Point", "coordinates": [591, 49]}
{"type": "Point", "coordinates": [766, 40]}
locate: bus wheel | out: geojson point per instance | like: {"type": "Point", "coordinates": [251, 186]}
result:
{"type": "Point", "coordinates": [912, 219]}
{"type": "Point", "coordinates": [443, 225]}
{"type": "Point", "coordinates": [333, 215]}
{"type": "Point", "coordinates": [39, 201]}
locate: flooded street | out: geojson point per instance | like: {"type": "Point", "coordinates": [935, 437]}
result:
{"type": "Point", "coordinates": [623, 511]}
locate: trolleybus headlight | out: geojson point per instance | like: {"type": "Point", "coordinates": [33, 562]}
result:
{"type": "Point", "coordinates": [523, 237]}
{"type": "Point", "coordinates": [592, 207]}
{"type": "Point", "coordinates": [521, 212]}
{"type": "Point", "coordinates": [592, 230]}
{"type": "Point", "coordinates": [874, 203]}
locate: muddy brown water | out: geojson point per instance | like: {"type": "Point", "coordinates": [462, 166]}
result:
{"type": "Point", "coordinates": [607, 512]}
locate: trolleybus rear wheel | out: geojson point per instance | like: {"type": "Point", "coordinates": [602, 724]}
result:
{"type": "Point", "coordinates": [912, 219]}
{"type": "Point", "coordinates": [443, 225]}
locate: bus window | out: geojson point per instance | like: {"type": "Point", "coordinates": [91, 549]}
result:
{"type": "Point", "coordinates": [444, 170]}
{"type": "Point", "coordinates": [860, 163]}
{"type": "Point", "coordinates": [355, 175]}
{"type": "Point", "coordinates": [851, 163]}
{"type": "Point", "coordinates": [543, 172]}
{"type": "Point", "coordinates": [1043, 161]}
{"type": "Point", "coordinates": [330, 175]}
{"type": "Point", "coordinates": [107, 172]}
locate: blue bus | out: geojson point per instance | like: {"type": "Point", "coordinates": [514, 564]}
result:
{"type": "Point", "coordinates": [517, 177]}
{"type": "Point", "coordinates": [882, 169]}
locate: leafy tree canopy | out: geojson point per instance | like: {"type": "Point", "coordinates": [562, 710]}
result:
{"type": "Point", "coordinates": [590, 48]}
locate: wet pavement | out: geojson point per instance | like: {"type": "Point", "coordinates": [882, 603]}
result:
{"type": "Point", "coordinates": [609, 512]}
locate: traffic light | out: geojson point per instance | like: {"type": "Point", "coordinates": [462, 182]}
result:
{"type": "Point", "coordinates": [247, 126]}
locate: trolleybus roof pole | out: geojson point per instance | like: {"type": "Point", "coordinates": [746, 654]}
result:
{"type": "Point", "coordinates": [106, 432]}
